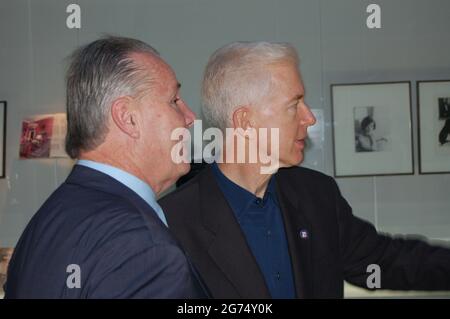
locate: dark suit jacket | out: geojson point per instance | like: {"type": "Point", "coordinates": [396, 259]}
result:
{"type": "Point", "coordinates": [327, 243]}
{"type": "Point", "coordinates": [118, 241]}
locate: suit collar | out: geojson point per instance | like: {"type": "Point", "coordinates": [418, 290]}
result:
{"type": "Point", "coordinates": [132, 182]}
{"type": "Point", "coordinates": [129, 180]}
{"type": "Point", "coordinates": [91, 178]}
{"type": "Point", "coordinates": [228, 247]}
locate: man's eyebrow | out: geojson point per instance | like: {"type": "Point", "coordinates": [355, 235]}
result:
{"type": "Point", "coordinates": [177, 88]}
{"type": "Point", "coordinates": [295, 98]}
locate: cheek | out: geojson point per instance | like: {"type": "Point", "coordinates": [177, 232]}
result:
{"type": "Point", "coordinates": [289, 133]}
{"type": "Point", "coordinates": [176, 119]}
{"type": "Point", "coordinates": [167, 122]}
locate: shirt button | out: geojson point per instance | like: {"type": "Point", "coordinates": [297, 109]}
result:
{"type": "Point", "coordinates": [269, 233]}
{"type": "Point", "coordinates": [258, 201]}
{"type": "Point", "coordinates": [278, 276]}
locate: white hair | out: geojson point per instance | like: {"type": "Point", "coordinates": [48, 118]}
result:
{"type": "Point", "coordinates": [238, 74]}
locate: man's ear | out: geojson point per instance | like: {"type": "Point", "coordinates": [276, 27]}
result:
{"type": "Point", "coordinates": [124, 116]}
{"type": "Point", "coordinates": [242, 118]}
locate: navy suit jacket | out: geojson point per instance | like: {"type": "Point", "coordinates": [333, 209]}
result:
{"type": "Point", "coordinates": [121, 246]}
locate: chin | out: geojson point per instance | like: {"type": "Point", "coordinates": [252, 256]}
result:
{"type": "Point", "coordinates": [288, 164]}
{"type": "Point", "coordinates": [176, 172]}
{"type": "Point", "coordinates": [293, 161]}
{"type": "Point", "coordinates": [299, 158]}
{"type": "Point", "coordinates": [183, 168]}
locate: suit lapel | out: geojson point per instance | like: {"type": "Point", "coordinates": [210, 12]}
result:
{"type": "Point", "coordinates": [228, 248]}
{"type": "Point", "coordinates": [294, 204]}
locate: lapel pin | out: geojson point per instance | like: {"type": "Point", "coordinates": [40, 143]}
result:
{"type": "Point", "coordinates": [303, 234]}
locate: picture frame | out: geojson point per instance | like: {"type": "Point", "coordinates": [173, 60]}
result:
{"type": "Point", "coordinates": [3, 108]}
{"type": "Point", "coordinates": [433, 120]}
{"type": "Point", "coordinates": [43, 136]}
{"type": "Point", "coordinates": [372, 130]}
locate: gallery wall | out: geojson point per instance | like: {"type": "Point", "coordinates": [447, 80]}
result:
{"type": "Point", "coordinates": [334, 44]}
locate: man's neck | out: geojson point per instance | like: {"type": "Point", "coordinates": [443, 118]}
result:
{"type": "Point", "coordinates": [248, 176]}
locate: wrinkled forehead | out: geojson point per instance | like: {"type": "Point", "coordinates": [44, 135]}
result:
{"type": "Point", "coordinates": [286, 76]}
{"type": "Point", "coordinates": [285, 70]}
{"type": "Point", "coordinates": [162, 75]}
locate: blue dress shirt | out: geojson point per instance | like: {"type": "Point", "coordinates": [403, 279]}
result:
{"type": "Point", "coordinates": [132, 182]}
{"type": "Point", "coordinates": [262, 224]}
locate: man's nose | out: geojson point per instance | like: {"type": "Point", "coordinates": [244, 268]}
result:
{"type": "Point", "coordinates": [307, 117]}
{"type": "Point", "coordinates": [189, 115]}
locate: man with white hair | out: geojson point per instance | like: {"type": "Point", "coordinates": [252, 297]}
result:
{"type": "Point", "coordinates": [289, 234]}
{"type": "Point", "coordinates": [102, 234]}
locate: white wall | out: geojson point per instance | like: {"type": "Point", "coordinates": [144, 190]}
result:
{"type": "Point", "coordinates": [334, 44]}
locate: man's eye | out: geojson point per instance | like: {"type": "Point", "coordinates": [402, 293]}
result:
{"type": "Point", "coordinates": [175, 101]}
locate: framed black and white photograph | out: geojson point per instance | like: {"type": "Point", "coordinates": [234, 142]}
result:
{"type": "Point", "coordinates": [433, 118]}
{"type": "Point", "coordinates": [2, 138]}
{"type": "Point", "coordinates": [372, 129]}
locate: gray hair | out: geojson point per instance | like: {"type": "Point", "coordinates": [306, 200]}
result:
{"type": "Point", "coordinates": [98, 73]}
{"type": "Point", "coordinates": [238, 74]}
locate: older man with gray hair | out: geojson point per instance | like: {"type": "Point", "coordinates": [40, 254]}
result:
{"type": "Point", "coordinates": [289, 234]}
{"type": "Point", "coordinates": [102, 234]}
